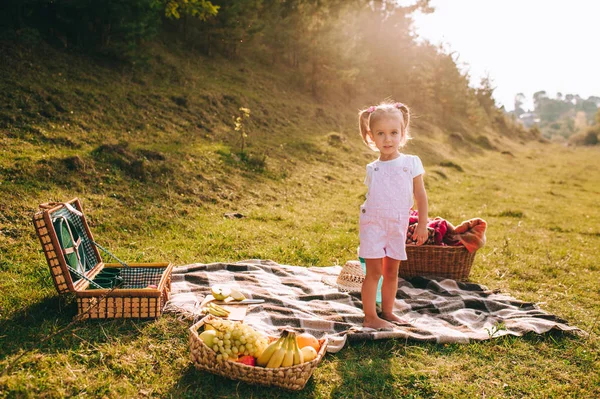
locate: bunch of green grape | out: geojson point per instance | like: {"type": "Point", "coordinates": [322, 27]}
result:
{"type": "Point", "coordinates": [233, 339]}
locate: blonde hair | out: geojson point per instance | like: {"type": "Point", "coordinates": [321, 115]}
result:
{"type": "Point", "coordinates": [375, 112]}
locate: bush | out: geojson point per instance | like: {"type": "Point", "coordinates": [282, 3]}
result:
{"type": "Point", "coordinates": [591, 137]}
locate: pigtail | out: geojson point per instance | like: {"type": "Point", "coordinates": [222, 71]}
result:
{"type": "Point", "coordinates": [405, 114]}
{"type": "Point", "coordinates": [363, 126]}
{"type": "Point", "coordinates": [406, 118]}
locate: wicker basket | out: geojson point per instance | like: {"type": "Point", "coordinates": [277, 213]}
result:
{"type": "Point", "coordinates": [453, 262]}
{"type": "Point", "coordinates": [293, 378]}
{"type": "Point", "coordinates": [143, 303]}
{"type": "Point", "coordinates": [144, 287]}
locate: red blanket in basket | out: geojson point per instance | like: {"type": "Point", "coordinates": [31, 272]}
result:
{"type": "Point", "coordinates": [470, 233]}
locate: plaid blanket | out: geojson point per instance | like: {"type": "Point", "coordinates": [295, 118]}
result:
{"type": "Point", "coordinates": [306, 299]}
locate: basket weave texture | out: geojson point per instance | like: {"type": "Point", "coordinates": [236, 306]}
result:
{"type": "Point", "coordinates": [127, 303]}
{"type": "Point", "coordinates": [453, 262]}
{"type": "Point", "coordinates": [293, 378]}
{"type": "Point", "coordinates": [134, 300]}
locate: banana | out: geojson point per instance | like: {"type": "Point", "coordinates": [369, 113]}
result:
{"type": "Point", "coordinates": [220, 308]}
{"type": "Point", "coordinates": [264, 357]}
{"type": "Point", "coordinates": [298, 355]}
{"type": "Point", "coordinates": [288, 358]}
{"type": "Point", "coordinates": [207, 310]}
{"type": "Point", "coordinates": [216, 310]}
{"type": "Point", "coordinates": [277, 358]}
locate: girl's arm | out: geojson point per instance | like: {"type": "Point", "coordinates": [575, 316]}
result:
{"type": "Point", "coordinates": [421, 234]}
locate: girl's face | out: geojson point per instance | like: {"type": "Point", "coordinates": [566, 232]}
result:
{"type": "Point", "coordinates": [387, 134]}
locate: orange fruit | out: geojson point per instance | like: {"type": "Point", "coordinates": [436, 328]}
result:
{"type": "Point", "coordinates": [306, 339]}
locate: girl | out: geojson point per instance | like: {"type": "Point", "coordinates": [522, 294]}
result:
{"type": "Point", "coordinates": [392, 181]}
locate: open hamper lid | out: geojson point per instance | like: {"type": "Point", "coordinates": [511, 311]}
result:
{"type": "Point", "coordinates": [67, 243]}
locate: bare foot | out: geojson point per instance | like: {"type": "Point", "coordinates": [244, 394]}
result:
{"type": "Point", "coordinates": [393, 317]}
{"type": "Point", "coordinates": [377, 323]}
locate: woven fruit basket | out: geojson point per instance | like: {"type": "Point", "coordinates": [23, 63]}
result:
{"type": "Point", "coordinates": [102, 290]}
{"type": "Point", "coordinates": [292, 378]}
{"type": "Point", "coordinates": [453, 262]}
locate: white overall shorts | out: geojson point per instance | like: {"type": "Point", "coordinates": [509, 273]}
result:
{"type": "Point", "coordinates": [385, 213]}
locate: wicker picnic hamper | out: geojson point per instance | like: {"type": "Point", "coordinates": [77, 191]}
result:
{"type": "Point", "coordinates": [102, 290]}
{"type": "Point", "coordinates": [453, 262]}
{"type": "Point", "coordinates": [293, 378]}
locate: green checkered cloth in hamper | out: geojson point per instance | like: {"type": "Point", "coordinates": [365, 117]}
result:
{"type": "Point", "coordinates": [86, 258]}
{"type": "Point", "coordinates": [141, 277]}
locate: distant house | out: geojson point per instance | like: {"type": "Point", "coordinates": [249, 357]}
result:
{"type": "Point", "coordinates": [529, 119]}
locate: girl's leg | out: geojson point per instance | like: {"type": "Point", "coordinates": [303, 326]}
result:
{"type": "Point", "coordinates": [369, 294]}
{"type": "Point", "coordinates": [389, 288]}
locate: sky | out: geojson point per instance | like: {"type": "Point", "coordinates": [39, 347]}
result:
{"type": "Point", "coordinates": [524, 46]}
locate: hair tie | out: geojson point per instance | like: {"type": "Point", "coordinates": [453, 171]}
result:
{"type": "Point", "coordinates": [371, 109]}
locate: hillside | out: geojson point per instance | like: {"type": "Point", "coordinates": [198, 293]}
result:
{"type": "Point", "coordinates": [92, 108]}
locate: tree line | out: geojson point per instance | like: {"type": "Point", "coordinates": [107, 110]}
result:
{"type": "Point", "coordinates": [562, 116]}
{"type": "Point", "coordinates": [347, 48]}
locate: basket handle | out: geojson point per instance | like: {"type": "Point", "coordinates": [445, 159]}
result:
{"type": "Point", "coordinates": [50, 205]}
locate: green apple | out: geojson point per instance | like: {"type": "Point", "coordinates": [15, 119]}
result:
{"type": "Point", "coordinates": [208, 337]}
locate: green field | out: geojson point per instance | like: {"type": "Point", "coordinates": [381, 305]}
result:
{"type": "Point", "coordinates": [155, 186]}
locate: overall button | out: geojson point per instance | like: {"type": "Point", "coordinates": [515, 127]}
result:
{"type": "Point", "coordinates": [364, 210]}
{"type": "Point", "coordinates": [376, 169]}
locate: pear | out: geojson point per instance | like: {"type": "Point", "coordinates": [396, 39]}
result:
{"type": "Point", "coordinates": [309, 353]}
{"type": "Point", "coordinates": [235, 294]}
{"type": "Point", "coordinates": [220, 293]}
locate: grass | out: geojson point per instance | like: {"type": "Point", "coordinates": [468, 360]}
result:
{"type": "Point", "coordinates": [525, 256]}
{"type": "Point", "coordinates": [541, 204]}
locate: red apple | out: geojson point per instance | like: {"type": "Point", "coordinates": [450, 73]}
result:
{"type": "Point", "coordinates": [249, 360]}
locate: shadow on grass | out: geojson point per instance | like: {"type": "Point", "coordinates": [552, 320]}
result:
{"type": "Point", "coordinates": [31, 324]}
{"type": "Point", "coordinates": [29, 327]}
{"type": "Point", "coordinates": [199, 383]}
{"type": "Point", "coordinates": [554, 337]}
{"type": "Point", "coordinates": [370, 369]}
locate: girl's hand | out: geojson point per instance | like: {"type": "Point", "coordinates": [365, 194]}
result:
{"type": "Point", "coordinates": [421, 234]}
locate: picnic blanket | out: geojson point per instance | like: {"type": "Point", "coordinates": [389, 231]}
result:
{"type": "Point", "coordinates": [304, 299]}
